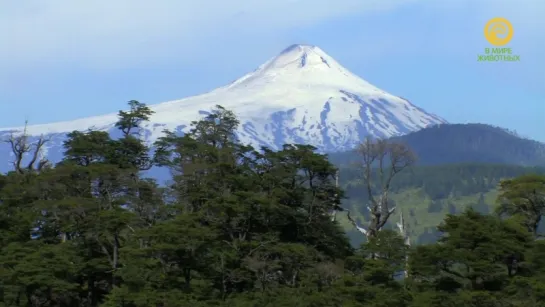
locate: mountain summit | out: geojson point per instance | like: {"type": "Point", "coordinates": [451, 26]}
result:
{"type": "Point", "coordinates": [301, 64]}
{"type": "Point", "coordinates": [302, 95]}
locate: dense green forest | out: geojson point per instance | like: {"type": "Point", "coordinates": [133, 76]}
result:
{"type": "Point", "coordinates": [463, 143]}
{"type": "Point", "coordinates": [242, 227]}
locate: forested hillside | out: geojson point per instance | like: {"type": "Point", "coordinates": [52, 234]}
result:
{"type": "Point", "coordinates": [428, 193]}
{"type": "Point", "coordinates": [241, 227]}
{"type": "Point", "coordinates": [465, 143]}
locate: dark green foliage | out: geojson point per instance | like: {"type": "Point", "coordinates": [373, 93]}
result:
{"type": "Point", "coordinates": [524, 197]}
{"type": "Point", "coordinates": [479, 260]}
{"type": "Point", "coordinates": [130, 121]}
{"type": "Point", "coordinates": [242, 227]}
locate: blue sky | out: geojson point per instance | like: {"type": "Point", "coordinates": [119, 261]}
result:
{"type": "Point", "coordinates": [65, 59]}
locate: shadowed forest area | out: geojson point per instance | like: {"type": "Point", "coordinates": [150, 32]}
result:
{"type": "Point", "coordinates": [239, 226]}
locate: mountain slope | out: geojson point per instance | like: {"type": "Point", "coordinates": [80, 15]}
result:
{"type": "Point", "coordinates": [425, 194]}
{"type": "Point", "coordinates": [463, 143]}
{"type": "Point", "coordinates": [300, 96]}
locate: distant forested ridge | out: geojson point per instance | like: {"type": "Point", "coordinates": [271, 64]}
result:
{"type": "Point", "coordinates": [465, 143]}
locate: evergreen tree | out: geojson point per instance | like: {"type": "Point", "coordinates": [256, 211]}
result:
{"type": "Point", "coordinates": [239, 226]}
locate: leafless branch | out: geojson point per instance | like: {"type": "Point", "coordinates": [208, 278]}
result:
{"type": "Point", "coordinates": [335, 206]}
{"type": "Point", "coordinates": [401, 225]}
{"type": "Point", "coordinates": [385, 160]}
{"type": "Point", "coordinates": [20, 146]}
{"type": "Point", "coordinates": [355, 224]}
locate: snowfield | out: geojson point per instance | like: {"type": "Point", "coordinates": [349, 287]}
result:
{"type": "Point", "coordinates": [300, 96]}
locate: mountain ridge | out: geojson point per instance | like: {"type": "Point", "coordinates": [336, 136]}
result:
{"type": "Point", "coordinates": [302, 95]}
{"type": "Point", "coordinates": [465, 143]}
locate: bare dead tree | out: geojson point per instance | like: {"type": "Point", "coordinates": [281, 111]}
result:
{"type": "Point", "coordinates": [381, 161]}
{"type": "Point", "coordinates": [335, 206]}
{"type": "Point", "coordinates": [21, 146]}
{"type": "Point", "coordinates": [402, 226]}
{"type": "Point", "coordinates": [355, 224]}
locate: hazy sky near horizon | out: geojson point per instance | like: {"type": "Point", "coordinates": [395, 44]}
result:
{"type": "Point", "coordinates": [64, 59]}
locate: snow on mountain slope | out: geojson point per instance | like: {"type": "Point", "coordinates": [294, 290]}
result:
{"type": "Point", "coordinates": [300, 96]}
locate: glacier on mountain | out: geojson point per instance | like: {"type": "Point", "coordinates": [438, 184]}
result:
{"type": "Point", "coordinates": [300, 96]}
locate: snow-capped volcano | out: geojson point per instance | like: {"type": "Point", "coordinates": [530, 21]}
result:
{"type": "Point", "coordinates": [300, 96]}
